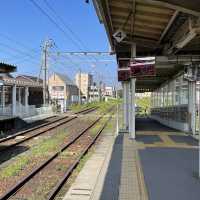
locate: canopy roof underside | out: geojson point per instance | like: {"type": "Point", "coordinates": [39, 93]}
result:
{"type": "Point", "coordinates": [159, 28]}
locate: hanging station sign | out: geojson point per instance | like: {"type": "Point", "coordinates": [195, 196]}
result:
{"type": "Point", "coordinates": [135, 68]}
{"type": "Point", "coordinates": [142, 69]}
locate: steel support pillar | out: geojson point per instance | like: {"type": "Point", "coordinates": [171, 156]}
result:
{"type": "Point", "coordinates": [3, 99]}
{"type": "Point", "coordinates": [26, 99]}
{"type": "Point", "coordinates": [192, 106]}
{"type": "Point", "coordinates": [19, 98]}
{"type": "Point", "coordinates": [125, 105]}
{"type": "Point", "coordinates": [173, 92]}
{"type": "Point", "coordinates": [14, 100]}
{"type": "Point", "coordinates": [132, 108]}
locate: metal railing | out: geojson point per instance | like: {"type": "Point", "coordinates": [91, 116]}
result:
{"type": "Point", "coordinates": [25, 112]}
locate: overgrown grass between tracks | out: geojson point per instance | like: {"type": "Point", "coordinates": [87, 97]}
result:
{"type": "Point", "coordinates": [102, 106]}
{"type": "Point", "coordinates": [44, 148]}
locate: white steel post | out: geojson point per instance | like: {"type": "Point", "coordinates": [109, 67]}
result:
{"type": "Point", "coordinates": [117, 115]}
{"type": "Point", "coordinates": [173, 93]}
{"type": "Point", "coordinates": [19, 95]}
{"type": "Point", "coordinates": [14, 100]}
{"type": "Point", "coordinates": [132, 109]}
{"type": "Point", "coordinates": [132, 99]}
{"type": "Point", "coordinates": [129, 106]}
{"type": "Point", "coordinates": [126, 106]}
{"type": "Point", "coordinates": [3, 99]}
{"type": "Point", "coordinates": [192, 105]}
{"type": "Point", "coordinates": [26, 99]}
{"type": "Point", "coordinates": [199, 127]}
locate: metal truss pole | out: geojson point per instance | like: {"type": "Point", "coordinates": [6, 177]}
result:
{"type": "Point", "coordinates": [47, 44]}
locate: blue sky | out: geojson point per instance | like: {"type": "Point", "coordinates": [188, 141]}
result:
{"type": "Point", "coordinates": [24, 28]}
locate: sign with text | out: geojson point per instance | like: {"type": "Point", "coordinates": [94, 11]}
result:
{"type": "Point", "coordinates": [119, 35]}
{"type": "Point", "coordinates": [142, 69]}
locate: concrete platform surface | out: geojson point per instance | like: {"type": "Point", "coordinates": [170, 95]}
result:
{"type": "Point", "coordinates": [3, 118]}
{"type": "Point", "coordinates": [85, 184]}
{"type": "Point", "coordinates": [169, 173]}
{"type": "Point", "coordinates": [110, 173]}
{"type": "Point", "coordinates": [169, 166]}
{"type": "Point", "coordinates": [37, 117]}
{"type": "Point", "coordinates": [159, 165]}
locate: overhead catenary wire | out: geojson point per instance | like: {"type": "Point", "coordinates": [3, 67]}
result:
{"type": "Point", "coordinates": [23, 53]}
{"type": "Point", "coordinates": [52, 20]}
{"type": "Point", "coordinates": [77, 41]}
{"type": "Point", "coordinates": [67, 26]}
{"type": "Point", "coordinates": [19, 43]}
{"type": "Point", "coordinates": [64, 24]}
{"type": "Point", "coordinates": [18, 50]}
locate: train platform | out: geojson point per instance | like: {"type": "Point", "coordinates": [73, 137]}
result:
{"type": "Point", "coordinates": [161, 163]}
{"type": "Point", "coordinates": [38, 117]}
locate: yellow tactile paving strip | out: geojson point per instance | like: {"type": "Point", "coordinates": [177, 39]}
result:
{"type": "Point", "coordinates": [166, 141]}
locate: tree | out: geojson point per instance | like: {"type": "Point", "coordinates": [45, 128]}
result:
{"type": "Point", "coordinates": [144, 103]}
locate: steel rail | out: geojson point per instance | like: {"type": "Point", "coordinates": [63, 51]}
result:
{"type": "Point", "coordinates": [42, 125]}
{"type": "Point", "coordinates": [69, 171]}
{"type": "Point", "coordinates": [22, 182]}
{"type": "Point", "coordinates": [42, 131]}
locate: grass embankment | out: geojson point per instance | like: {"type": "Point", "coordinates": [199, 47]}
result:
{"type": "Point", "coordinates": [103, 106]}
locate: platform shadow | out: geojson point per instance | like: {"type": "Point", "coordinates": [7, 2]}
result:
{"type": "Point", "coordinates": [112, 179]}
{"type": "Point", "coordinates": [25, 127]}
{"type": "Point", "coordinates": [147, 124]}
{"type": "Point", "coordinates": [7, 154]}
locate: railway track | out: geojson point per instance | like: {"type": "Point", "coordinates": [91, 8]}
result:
{"type": "Point", "coordinates": [11, 141]}
{"type": "Point", "coordinates": [37, 171]}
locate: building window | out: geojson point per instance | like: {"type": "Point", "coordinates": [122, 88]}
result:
{"type": "Point", "coordinates": [58, 88]}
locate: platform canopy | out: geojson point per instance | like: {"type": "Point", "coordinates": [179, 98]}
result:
{"type": "Point", "coordinates": [6, 68]}
{"type": "Point", "coordinates": [158, 27]}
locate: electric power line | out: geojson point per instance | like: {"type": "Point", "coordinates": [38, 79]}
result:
{"type": "Point", "coordinates": [18, 43]}
{"type": "Point", "coordinates": [17, 50]}
{"type": "Point", "coordinates": [64, 23]}
{"type": "Point", "coordinates": [58, 26]}
{"type": "Point", "coordinates": [53, 22]}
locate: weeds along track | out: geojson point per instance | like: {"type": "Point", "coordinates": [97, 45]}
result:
{"type": "Point", "coordinates": [23, 136]}
{"type": "Point", "coordinates": [48, 177]}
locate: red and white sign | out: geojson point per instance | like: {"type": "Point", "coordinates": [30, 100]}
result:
{"type": "Point", "coordinates": [135, 68]}
{"type": "Point", "coordinates": [142, 69]}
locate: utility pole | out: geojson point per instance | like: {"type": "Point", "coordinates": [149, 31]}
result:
{"type": "Point", "coordinates": [47, 44]}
